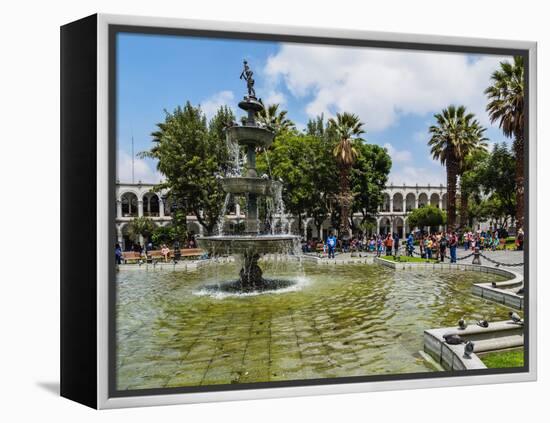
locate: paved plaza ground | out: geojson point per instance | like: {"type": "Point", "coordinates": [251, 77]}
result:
{"type": "Point", "coordinates": [352, 320]}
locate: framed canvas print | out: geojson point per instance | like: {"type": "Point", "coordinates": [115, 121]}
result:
{"type": "Point", "coordinates": [254, 211]}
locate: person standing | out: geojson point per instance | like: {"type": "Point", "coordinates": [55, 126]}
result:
{"type": "Point", "coordinates": [442, 247]}
{"type": "Point", "coordinates": [453, 243]}
{"type": "Point", "coordinates": [389, 244]}
{"type": "Point", "coordinates": [118, 254]}
{"type": "Point", "coordinates": [410, 245]}
{"type": "Point", "coordinates": [396, 244]}
{"type": "Point", "coordinates": [331, 244]}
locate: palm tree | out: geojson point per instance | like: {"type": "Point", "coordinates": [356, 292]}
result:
{"type": "Point", "coordinates": [273, 118]}
{"type": "Point", "coordinates": [506, 97]}
{"type": "Point", "coordinates": [455, 135]}
{"type": "Point", "coordinates": [140, 226]}
{"type": "Point", "coordinates": [346, 127]}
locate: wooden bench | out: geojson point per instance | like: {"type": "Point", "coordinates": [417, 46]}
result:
{"type": "Point", "coordinates": [191, 252]}
{"type": "Point", "coordinates": [155, 254]}
{"type": "Point", "coordinates": [184, 252]}
{"type": "Point", "coordinates": [130, 256]}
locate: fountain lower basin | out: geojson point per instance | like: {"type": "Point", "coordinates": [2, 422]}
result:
{"type": "Point", "coordinates": [243, 244]}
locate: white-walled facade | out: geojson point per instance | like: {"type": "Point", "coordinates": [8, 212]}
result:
{"type": "Point", "coordinates": [133, 200]}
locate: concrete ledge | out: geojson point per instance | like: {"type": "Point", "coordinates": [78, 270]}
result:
{"type": "Point", "coordinates": [498, 336]}
{"type": "Point", "coordinates": [502, 296]}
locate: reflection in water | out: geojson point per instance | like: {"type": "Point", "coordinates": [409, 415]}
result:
{"type": "Point", "coordinates": [188, 328]}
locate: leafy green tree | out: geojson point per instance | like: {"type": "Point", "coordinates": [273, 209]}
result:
{"type": "Point", "coordinates": [369, 176]}
{"type": "Point", "coordinates": [303, 165]}
{"type": "Point", "coordinates": [140, 226]}
{"type": "Point", "coordinates": [191, 154]}
{"type": "Point", "coordinates": [471, 184]}
{"type": "Point", "coordinates": [506, 104]}
{"type": "Point", "coordinates": [427, 216]}
{"type": "Point", "coordinates": [455, 134]}
{"type": "Point", "coordinates": [164, 235]}
{"type": "Point", "coordinates": [347, 128]}
{"type": "Point", "coordinates": [490, 184]}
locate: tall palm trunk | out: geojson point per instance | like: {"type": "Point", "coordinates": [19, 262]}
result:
{"type": "Point", "coordinates": [463, 208]}
{"type": "Point", "coordinates": [345, 200]}
{"type": "Point", "coordinates": [520, 191]}
{"type": "Point", "coordinates": [452, 172]}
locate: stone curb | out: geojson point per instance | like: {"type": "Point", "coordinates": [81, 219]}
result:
{"type": "Point", "coordinates": [499, 335]}
{"type": "Point", "coordinates": [497, 293]}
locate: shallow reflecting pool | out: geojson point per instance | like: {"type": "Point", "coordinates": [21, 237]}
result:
{"type": "Point", "coordinates": [176, 329]}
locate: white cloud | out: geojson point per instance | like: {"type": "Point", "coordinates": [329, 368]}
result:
{"type": "Point", "coordinates": [275, 97]}
{"type": "Point", "coordinates": [417, 175]}
{"type": "Point", "coordinates": [223, 98]}
{"type": "Point", "coordinates": [398, 156]}
{"type": "Point", "coordinates": [144, 171]}
{"type": "Point", "coordinates": [381, 84]}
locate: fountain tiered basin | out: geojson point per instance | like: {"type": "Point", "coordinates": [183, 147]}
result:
{"type": "Point", "coordinates": [244, 244]}
{"type": "Point", "coordinates": [252, 245]}
{"type": "Point", "coordinates": [251, 135]}
{"type": "Point", "coordinates": [250, 185]}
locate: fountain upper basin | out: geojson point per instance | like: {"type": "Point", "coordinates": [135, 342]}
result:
{"type": "Point", "coordinates": [241, 185]}
{"type": "Point", "coordinates": [242, 244]}
{"type": "Point", "coordinates": [252, 135]}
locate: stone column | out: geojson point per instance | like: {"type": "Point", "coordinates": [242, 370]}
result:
{"type": "Point", "coordinates": [416, 201]}
{"type": "Point", "coordinates": [118, 208]}
{"type": "Point", "coordinates": [440, 203]}
{"type": "Point", "coordinates": [377, 226]}
{"type": "Point", "coordinates": [161, 208]}
{"type": "Point", "coordinates": [391, 204]}
{"type": "Point", "coordinates": [140, 208]}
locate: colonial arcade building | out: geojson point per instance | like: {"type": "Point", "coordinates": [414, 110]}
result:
{"type": "Point", "coordinates": [133, 200]}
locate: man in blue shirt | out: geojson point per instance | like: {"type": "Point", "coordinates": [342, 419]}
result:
{"type": "Point", "coordinates": [410, 244]}
{"type": "Point", "coordinates": [331, 244]}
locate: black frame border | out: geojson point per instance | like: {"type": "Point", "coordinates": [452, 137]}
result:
{"type": "Point", "coordinates": [114, 29]}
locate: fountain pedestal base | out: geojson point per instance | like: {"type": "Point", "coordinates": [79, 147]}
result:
{"type": "Point", "coordinates": [251, 273]}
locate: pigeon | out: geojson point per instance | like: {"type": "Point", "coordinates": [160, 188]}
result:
{"type": "Point", "coordinates": [452, 338]}
{"type": "Point", "coordinates": [468, 349]}
{"type": "Point", "coordinates": [515, 318]}
{"type": "Point", "coordinates": [483, 323]}
{"type": "Point", "coordinates": [462, 323]}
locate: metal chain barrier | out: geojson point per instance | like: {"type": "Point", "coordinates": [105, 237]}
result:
{"type": "Point", "coordinates": [498, 263]}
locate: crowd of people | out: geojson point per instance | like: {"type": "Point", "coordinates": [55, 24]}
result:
{"type": "Point", "coordinates": [435, 245]}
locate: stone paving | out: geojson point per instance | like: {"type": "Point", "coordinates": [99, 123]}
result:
{"type": "Point", "coordinates": [355, 320]}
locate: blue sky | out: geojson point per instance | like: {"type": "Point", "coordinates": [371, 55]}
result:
{"type": "Point", "coordinates": [394, 92]}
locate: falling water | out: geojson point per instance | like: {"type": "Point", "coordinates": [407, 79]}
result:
{"type": "Point", "coordinates": [221, 219]}
{"type": "Point", "coordinates": [280, 210]}
{"type": "Point", "coordinates": [234, 155]}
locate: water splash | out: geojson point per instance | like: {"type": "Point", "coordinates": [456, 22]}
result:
{"type": "Point", "coordinates": [231, 289]}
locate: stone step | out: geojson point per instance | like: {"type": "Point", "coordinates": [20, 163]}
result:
{"type": "Point", "coordinates": [504, 342]}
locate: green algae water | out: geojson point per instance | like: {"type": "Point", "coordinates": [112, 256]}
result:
{"type": "Point", "coordinates": [181, 328]}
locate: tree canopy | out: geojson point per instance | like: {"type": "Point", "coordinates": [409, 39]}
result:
{"type": "Point", "coordinates": [427, 216]}
{"type": "Point", "coordinates": [191, 153]}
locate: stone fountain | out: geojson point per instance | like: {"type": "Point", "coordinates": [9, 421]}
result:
{"type": "Point", "coordinates": [251, 245]}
